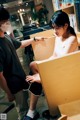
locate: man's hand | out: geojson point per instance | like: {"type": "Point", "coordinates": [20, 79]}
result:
{"type": "Point", "coordinates": [40, 38]}
{"type": "Point", "coordinates": [10, 97]}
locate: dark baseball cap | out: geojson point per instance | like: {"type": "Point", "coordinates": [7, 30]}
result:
{"type": "Point", "coordinates": [4, 14]}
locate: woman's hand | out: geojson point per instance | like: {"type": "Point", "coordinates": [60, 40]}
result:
{"type": "Point", "coordinates": [33, 78]}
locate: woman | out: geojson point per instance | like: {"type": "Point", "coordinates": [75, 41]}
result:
{"type": "Point", "coordinates": [65, 42]}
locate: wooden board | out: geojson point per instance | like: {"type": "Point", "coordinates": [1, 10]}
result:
{"type": "Point", "coordinates": [43, 49]}
{"type": "Point", "coordinates": [61, 79]}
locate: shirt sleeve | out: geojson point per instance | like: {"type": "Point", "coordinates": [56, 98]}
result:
{"type": "Point", "coordinates": [2, 59]}
{"type": "Point", "coordinates": [16, 43]}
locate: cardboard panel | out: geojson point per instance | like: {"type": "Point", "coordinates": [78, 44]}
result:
{"type": "Point", "coordinates": [61, 79]}
{"type": "Point", "coordinates": [43, 49]}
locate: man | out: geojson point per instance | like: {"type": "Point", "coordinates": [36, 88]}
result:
{"type": "Point", "coordinates": [12, 76]}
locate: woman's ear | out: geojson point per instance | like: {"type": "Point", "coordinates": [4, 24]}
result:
{"type": "Point", "coordinates": [66, 25]}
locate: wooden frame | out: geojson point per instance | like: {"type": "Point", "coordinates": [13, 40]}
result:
{"type": "Point", "coordinates": [61, 80]}
{"type": "Point", "coordinates": [43, 49]}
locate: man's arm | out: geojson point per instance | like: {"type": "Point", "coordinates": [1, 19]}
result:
{"type": "Point", "coordinates": [3, 85]}
{"type": "Point", "coordinates": [27, 42]}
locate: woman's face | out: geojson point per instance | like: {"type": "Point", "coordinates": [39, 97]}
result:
{"type": "Point", "coordinates": [60, 31]}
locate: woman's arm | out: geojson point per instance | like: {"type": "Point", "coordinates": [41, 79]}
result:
{"type": "Point", "coordinates": [74, 45]}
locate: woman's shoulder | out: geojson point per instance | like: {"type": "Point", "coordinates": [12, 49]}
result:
{"type": "Point", "coordinates": [72, 38]}
{"type": "Point", "coordinates": [72, 35]}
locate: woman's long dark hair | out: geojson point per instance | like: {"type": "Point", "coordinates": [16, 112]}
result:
{"type": "Point", "coordinates": [60, 18]}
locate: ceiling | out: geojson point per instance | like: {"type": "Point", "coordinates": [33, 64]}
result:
{"type": "Point", "coordinates": [12, 3]}
{"type": "Point", "coordinates": [7, 1]}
